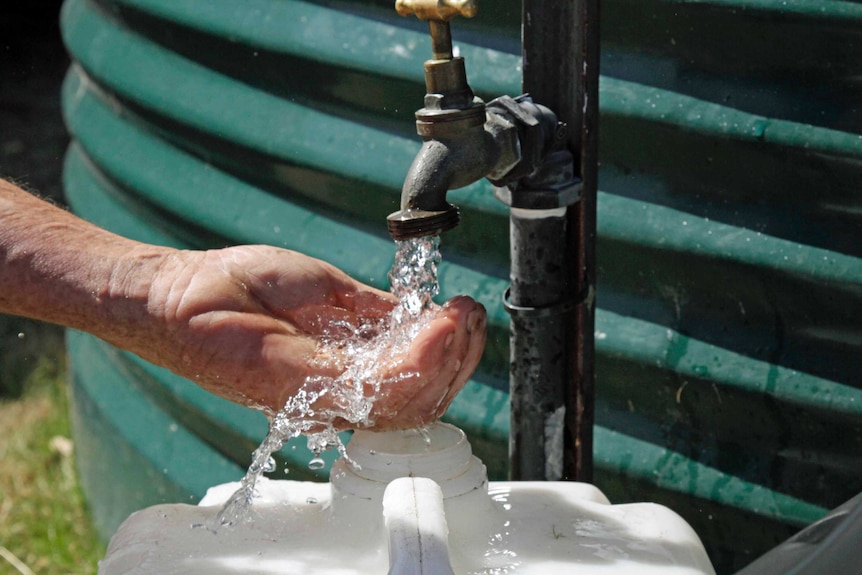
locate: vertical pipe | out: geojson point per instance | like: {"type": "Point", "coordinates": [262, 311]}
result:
{"type": "Point", "coordinates": [561, 71]}
{"type": "Point", "coordinates": [540, 366]}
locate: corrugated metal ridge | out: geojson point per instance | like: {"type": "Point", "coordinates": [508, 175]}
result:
{"type": "Point", "coordinates": [95, 376]}
{"type": "Point", "coordinates": [136, 158]}
{"type": "Point", "coordinates": [662, 466]}
{"type": "Point", "coordinates": [667, 106]}
{"type": "Point", "coordinates": [630, 99]}
{"type": "Point", "coordinates": [828, 10]}
{"type": "Point", "coordinates": [206, 189]}
{"type": "Point", "coordinates": [118, 211]}
{"type": "Point", "coordinates": [172, 87]}
{"type": "Point", "coordinates": [265, 127]}
{"type": "Point", "coordinates": [644, 223]}
{"type": "Point", "coordinates": [619, 97]}
{"type": "Point", "coordinates": [653, 344]}
{"type": "Point", "coordinates": [305, 29]}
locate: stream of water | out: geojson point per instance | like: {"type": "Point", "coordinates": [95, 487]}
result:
{"type": "Point", "coordinates": [352, 395]}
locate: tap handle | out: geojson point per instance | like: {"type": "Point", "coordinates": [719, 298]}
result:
{"type": "Point", "coordinates": [438, 13]}
{"type": "Point", "coordinates": [440, 10]}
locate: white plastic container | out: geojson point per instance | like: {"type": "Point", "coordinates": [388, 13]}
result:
{"type": "Point", "coordinates": [419, 504]}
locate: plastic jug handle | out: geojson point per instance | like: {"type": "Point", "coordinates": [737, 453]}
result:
{"type": "Point", "coordinates": [416, 522]}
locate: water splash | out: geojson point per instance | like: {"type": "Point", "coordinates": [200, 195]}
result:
{"type": "Point", "coordinates": [351, 395]}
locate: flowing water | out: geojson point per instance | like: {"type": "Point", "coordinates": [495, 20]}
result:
{"type": "Point", "coordinates": [351, 395]}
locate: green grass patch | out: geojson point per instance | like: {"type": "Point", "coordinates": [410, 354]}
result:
{"type": "Point", "coordinates": [44, 524]}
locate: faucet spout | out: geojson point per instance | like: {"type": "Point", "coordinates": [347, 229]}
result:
{"type": "Point", "coordinates": [462, 153]}
{"type": "Point", "coordinates": [505, 141]}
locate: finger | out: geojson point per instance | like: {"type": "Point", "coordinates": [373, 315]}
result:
{"type": "Point", "coordinates": [445, 353]}
{"type": "Point", "coordinates": [476, 329]}
{"type": "Point", "coordinates": [412, 372]}
{"type": "Point", "coordinates": [423, 407]}
{"type": "Point", "coordinates": [464, 350]}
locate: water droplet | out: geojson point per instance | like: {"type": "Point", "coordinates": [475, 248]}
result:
{"type": "Point", "coordinates": [21, 335]}
{"type": "Point", "coordinates": [316, 463]}
{"type": "Point", "coordinates": [311, 500]}
{"type": "Point", "coordinates": [270, 465]}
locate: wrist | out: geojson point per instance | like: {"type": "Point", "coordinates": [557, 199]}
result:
{"type": "Point", "coordinates": [125, 311]}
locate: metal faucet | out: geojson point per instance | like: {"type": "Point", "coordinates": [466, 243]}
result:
{"type": "Point", "coordinates": [464, 139]}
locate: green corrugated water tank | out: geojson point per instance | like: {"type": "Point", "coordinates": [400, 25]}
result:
{"type": "Point", "coordinates": [729, 322]}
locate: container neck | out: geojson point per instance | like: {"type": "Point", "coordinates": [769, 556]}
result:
{"type": "Point", "coordinates": [439, 452]}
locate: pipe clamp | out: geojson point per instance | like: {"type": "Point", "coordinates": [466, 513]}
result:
{"type": "Point", "coordinates": [555, 309]}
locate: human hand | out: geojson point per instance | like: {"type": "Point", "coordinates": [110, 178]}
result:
{"type": "Point", "coordinates": [256, 324]}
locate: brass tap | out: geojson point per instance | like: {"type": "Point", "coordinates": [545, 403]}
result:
{"type": "Point", "coordinates": [443, 10]}
{"type": "Point", "coordinates": [452, 118]}
{"type": "Point", "coordinates": [463, 139]}
{"type": "Point", "coordinates": [438, 13]}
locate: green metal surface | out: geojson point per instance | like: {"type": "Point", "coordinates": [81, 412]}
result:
{"type": "Point", "coordinates": [131, 454]}
{"type": "Point", "coordinates": [728, 333]}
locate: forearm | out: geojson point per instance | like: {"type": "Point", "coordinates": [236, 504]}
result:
{"type": "Point", "coordinates": [58, 268]}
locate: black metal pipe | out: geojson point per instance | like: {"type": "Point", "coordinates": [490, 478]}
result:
{"type": "Point", "coordinates": [552, 356]}
{"type": "Point", "coordinates": [539, 340]}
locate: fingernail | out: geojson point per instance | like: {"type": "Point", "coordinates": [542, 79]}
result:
{"type": "Point", "coordinates": [441, 407]}
{"type": "Point", "coordinates": [474, 320]}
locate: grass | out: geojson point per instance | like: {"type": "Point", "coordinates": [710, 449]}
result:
{"type": "Point", "coordinates": [44, 524]}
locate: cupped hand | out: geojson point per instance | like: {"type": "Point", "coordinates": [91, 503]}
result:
{"type": "Point", "coordinates": [258, 324]}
